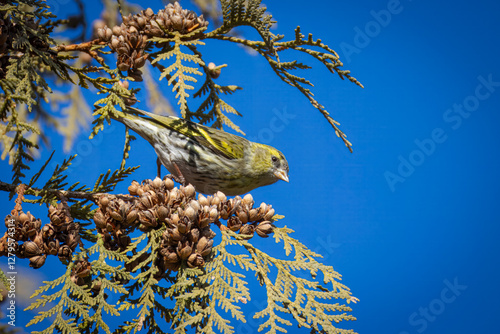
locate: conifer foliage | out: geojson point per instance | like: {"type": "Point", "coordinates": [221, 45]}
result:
{"type": "Point", "coordinates": [162, 258]}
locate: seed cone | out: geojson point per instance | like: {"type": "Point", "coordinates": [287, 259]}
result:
{"type": "Point", "coordinates": [129, 40]}
{"type": "Point", "coordinates": [60, 237]}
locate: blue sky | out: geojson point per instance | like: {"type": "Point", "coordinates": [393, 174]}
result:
{"type": "Point", "coordinates": [410, 219]}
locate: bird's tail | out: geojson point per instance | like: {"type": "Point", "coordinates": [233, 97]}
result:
{"type": "Point", "coordinates": [137, 121]}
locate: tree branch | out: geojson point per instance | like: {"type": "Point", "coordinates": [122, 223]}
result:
{"type": "Point", "coordinates": [94, 197]}
{"type": "Point", "coordinates": [82, 47]}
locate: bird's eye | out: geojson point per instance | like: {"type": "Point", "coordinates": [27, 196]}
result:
{"type": "Point", "coordinates": [274, 159]}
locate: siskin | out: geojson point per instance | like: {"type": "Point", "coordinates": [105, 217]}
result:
{"type": "Point", "coordinates": [211, 160]}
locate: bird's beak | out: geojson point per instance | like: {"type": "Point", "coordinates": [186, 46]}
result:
{"type": "Point", "coordinates": [281, 174]}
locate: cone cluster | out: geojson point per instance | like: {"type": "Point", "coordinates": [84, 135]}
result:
{"type": "Point", "coordinates": [188, 237]}
{"type": "Point", "coordinates": [129, 40]}
{"type": "Point", "coordinates": [172, 18]}
{"type": "Point", "coordinates": [60, 237]}
{"type": "Point", "coordinates": [154, 204]}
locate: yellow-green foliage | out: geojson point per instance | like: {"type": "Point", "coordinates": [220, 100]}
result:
{"type": "Point", "coordinates": [204, 299]}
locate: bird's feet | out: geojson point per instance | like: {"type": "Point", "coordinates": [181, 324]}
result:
{"type": "Point", "coordinates": [158, 165]}
{"type": "Point", "coordinates": [179, 178]}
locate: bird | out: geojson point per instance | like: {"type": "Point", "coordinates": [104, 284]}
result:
{"type": "Point", "coordinates": [211, 160]}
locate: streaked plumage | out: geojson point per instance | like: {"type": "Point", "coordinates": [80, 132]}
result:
{"type": "Point", "coordinates": [211, 160]}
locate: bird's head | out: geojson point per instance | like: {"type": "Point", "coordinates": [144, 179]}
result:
{"type": "Point", "coordinates": [271, 162]}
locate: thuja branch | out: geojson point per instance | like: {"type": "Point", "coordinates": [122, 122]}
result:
{"type": "Point", "coordinates": [94, 197]}
{"type": "Point", "coordinates": [326, 55]}
{"type": "Point", "coordinates": [83, 47]}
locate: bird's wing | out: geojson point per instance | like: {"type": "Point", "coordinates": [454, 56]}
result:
{"type": "Point", "coordinates": [219, 142]}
